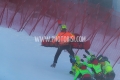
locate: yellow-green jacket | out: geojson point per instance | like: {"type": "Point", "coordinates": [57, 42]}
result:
{"type": "Point", "coordinates": [75, 67]}
{"type": "Point", "coordinates": [82, 72]}
{"type": "Point", "coordinates": [107, 68]}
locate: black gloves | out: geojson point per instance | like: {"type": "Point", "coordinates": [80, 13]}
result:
{"type": "Point", "coordinates": [82, 60]}
{"type": "Point", "coordinates": [87, 52]}
{"type": "Point", "coordinates": [71, 72]}
{"type": "Point", "coordinates": [84, 56]}
{"type": "Point", "coordinates": [53, 65]}
{"type": "Point", "coordinates": [59, 21]}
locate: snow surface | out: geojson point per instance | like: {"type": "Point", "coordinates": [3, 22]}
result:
{"type": "Point", "coordinates": [21, 58]}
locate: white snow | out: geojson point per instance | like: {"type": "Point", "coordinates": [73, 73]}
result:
{"type": "Point", "coordinates": [21, 58]}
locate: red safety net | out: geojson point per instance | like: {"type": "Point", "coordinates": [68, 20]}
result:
{"type": "Point", "coordinates": [39, 17]}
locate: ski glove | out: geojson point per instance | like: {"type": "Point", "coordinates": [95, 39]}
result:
{"type": "Point", "coordinates": [84, 56]}
{"type": "Point", "coordinates": [82, 60]}
{"type": "Point", "coordinates": [71, 72]}
{"type": "Point", "coordinates": [59, 22]}
{"type": "Point", "coordinates": [87, 52]}
{"type": "Point", "coordinates": [53, 65]}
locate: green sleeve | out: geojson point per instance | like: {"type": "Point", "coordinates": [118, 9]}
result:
{"type": "Point", "coordinates": [105, 72]}
{"type": "Point", "coordinates": [76, 74]}
{"type": "Point", "coordinates": [88, 65]}
{"type": "Point", "coordinates": [73, 69]}
{"type": "Point", "coordinates": [88, 58]}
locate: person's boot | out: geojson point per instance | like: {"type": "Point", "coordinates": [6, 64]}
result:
{"type": "Point", "coordinates": [71, 72]}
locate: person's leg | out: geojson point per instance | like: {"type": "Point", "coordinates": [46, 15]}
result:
{"type": "Point", "coordinates": [69, 49]}
{"type": "Point", "coordinates": [86, 78]}
{"type": "Point", "coordinates": [59, 50]}
{"type": "Point", "coordinates": [98, 77]}
{"type": "Point", "coordinates": [110, 76]}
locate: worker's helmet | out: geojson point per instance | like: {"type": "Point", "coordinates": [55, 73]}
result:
{"type": "Point", "coordinates": [95, 61]}
{"type": "Point", "coordinates": [63, 27]}
{"type": "Point", "coordinates": [100, 57]}
{"type": "Point", "coordinates": [104, 59]}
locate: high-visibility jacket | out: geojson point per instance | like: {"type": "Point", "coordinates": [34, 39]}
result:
{"type": "Point", "coordinates": [77, 58]}
{"type": "Point", "coordinates": [75, 68]}
{"type": "Point", "coordinates": [90, 58]}
{"type": "Point", "coordinates": [97, 68]}
{"type": "Point", "coordinates": [82, 72]}
{"type": "Point", "coordinates": [64, 38]}
{"type": "Point", "coordinates": [107, 68]}
{"type": "Point", "coordinates": [76, 65]}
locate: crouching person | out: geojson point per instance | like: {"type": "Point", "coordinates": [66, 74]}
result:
{"type": "Point", "coordinates": [83, 73]}
{"type": "Point", "coordinates": [96, 68]}
{"type": "Point", "coordinates": [79, 70]}
{"type": "Point", "coordinates": [75, 64]}
{"type": "Point", "coordinates": [107, 68]}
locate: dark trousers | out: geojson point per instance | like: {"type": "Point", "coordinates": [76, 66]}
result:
{"type": "Point", "coordinates": [110, 76]}
{"type": "Point", "coordinates": [86, 78]}
{"type": "Point", "coordinates": [59, 50]}
{"type": "Point", "coordinates": [99, 76]}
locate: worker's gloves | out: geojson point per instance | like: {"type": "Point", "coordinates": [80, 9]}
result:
{"type": "Point", "coordinates": [71, 72]}
{"type": "Point", "coordinates": [87, 52]}
{"type": "Point", "coordinates": [82, 60]}
{"type": "Point", "coordinates": [84, 56]}
{"type": "Point", "coordinates": [53, 65]}
{"type": "Point", "coordinates": [59, 22]}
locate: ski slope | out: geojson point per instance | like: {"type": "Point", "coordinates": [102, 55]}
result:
{"type": "Point", "coordinates": [21, 58]}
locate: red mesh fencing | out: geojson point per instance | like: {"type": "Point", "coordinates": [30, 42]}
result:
{"type": "Point", "coordinates": [39, 17]}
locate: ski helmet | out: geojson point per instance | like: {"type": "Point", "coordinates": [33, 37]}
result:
{"type": "Point", "coordinates": [100, 57]}
{"type": "Point", "coordinates": [63, 27]}
{"type": "Point", "coordinates": [95, 61]}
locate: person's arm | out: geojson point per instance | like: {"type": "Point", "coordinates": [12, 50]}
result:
{"type": "Point", "coordinates": [88, 65]}
{"type": "Point", "coordinates": [59, 22]}
{"type": "Point", "coordinates": [73, 69]}
{"type": "Point", "coordinates": [88, 58]}
{"type": "Point", "coordinates": [76, 74]}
